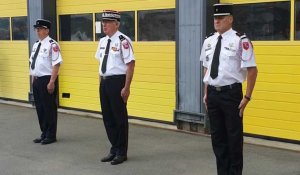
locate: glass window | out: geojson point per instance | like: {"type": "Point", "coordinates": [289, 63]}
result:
{"type": "Point", "coordinates": [297, 18]}
{"type": "Point", "coordinates": [127, 25]}
{"type": "Point", "coordinates": [4, 29]}
{"type": "Point", "coordinates": [19, 28]}
{"type": "Point", "coordinates": [77, 27]}
{"type": "Point", "coordinates": [156, 25]}
{"type": "Point", "coordinates": [263, 21]}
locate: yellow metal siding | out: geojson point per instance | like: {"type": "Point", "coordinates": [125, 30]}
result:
{"type": "Point", "coordinates": [14, 57]}
{"type": "Point", "coordinates": [81, 6]}
{"type": "Point", "coordinates": [78, 76]}
{"type": "Point", "coordinates": [275, 108]}
{"type": "Point", "coordinates": [247, 1]}
{"type": "Point", "coordinates": [153, 86]}
{"type": "Point", "coordinates": [13, 8]}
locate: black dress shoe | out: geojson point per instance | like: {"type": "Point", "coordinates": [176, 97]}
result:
{"type": "Point", "coordinates": [48, 141]}
{"type": "Point", "coordinates": [108, 158]}
{"type": "Point", "coordinates": [38, 140]}
{"type": "Point", "coordinates": [118, 160]}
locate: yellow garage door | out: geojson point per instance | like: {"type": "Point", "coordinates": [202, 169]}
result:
{"type": "Point", "coordinates": [153, 86]}
{"type": "Point", "coordinates": [14, 68]}
{"type": "Point", "coordinates": [275, 109]}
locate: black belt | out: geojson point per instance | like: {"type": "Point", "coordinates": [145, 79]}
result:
{"type": "Point", "coordinates": [113, 77]}
{"type": "Point", "coordinates": [223, 88]}
{"type": "Point", "coordinates": [43, 77]}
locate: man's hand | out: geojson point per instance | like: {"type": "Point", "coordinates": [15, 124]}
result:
{"type": "Point", "coordinates": [32, 79]}
{"type": "Point", "coordinates": [242, 106]}
{"type": "Point", "coordinates": [251, 79]}
{"type": "Point", "coordinates": [205, 101]}
{"type": "Point", "coordinates": [50, 87]}
{"type": "Point", "coordinates": [125, 94]}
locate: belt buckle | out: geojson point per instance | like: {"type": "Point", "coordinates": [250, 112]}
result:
{"type": "Point", "coordinates": [218, 89]}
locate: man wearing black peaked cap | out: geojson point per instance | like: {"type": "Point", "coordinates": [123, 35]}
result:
{"type": "Point", "coordinates": [45, 61]}
{"type": "Point", "coordinates": [228, 60]}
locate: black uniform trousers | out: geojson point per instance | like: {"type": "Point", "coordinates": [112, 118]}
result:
{"type": "Point", "coordinates": [46, 106]}
{"type": "Point", "coordinates": [226, 128]}
{"type": "Point", "coordinates": [114, 111]}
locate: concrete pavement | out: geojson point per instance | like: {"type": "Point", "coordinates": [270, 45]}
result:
{"type": "Point", "coordinates": [82, 142]}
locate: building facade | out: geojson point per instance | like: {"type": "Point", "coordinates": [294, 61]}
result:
{"type": "Point", "coordinates": [168, 72]}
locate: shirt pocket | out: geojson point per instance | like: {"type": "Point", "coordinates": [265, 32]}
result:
{"type": "Point", "coordinates": [116, 55]}
{"type": "Point", "coordinates": [232, 60]}
{"type": "Point", "coordinates": [231, 54]}
{"type": "Point", "coordinates": [44, 54]}
{"type": "Point", "coordinates": [115, 51]}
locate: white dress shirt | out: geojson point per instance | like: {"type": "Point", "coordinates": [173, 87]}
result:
{"type": "Point", "coordinates": [235, 56]}
{"type": "Point", "coordinates": [48, 56]}
{"type": "Point", "coordinates": [120, 54]}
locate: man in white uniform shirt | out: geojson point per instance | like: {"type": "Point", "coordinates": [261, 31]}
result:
{"type": "Point", "coordinates": [45, 61]}
{"type": "Point", "coordinates": [228, 59]}
{"type": "Point", "coordinates": [115, 54]}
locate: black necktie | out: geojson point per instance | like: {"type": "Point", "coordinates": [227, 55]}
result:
{"type": "Point", "coordinates": [34, 56]}
{"type": "Point", "coordinates": [104, 62]}
{"type": "Point", "coordinates": [215, 62]}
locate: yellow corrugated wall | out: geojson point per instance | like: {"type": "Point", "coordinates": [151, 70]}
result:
{"type": "Point", "coordinates": [153, 86]}
{"type": "Point", "coordinates": [248, 1]}
{"type": "Point", "coordinates": [14, 75]}
{"type": "Point", "coordinates": [275, 108]}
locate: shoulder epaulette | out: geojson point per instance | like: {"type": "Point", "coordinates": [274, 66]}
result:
{"type": "Point", "coordinates": [37, 41]}
{"type": "Point", "coordinates": [51, 41]}
{"type": "Point", "coordinates": [238, 34]}
{"type": "Point", "coordinates": [122, 38]}
{"type": "Point", "coordinates": [242, 36]}
{"type": "Point", "coordinates": [211, 34]}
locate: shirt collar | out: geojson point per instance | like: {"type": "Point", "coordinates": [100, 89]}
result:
{"type": "Point", "coordinates": [227, 33]}
{"type": "Point", "coordinates": [115, 36]}
{"type": "Point", "coordinates": [44, 40]}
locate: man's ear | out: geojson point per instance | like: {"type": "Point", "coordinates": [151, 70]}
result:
{"type": "Point", "coordinates": [231, 19]}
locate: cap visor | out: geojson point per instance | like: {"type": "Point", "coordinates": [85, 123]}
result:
{"type": "Point", "coordinates": [40, 26]}
{"type": "Point", "coordinates": [108, 19]}
{"type": "Point", "coordinates": [222, 14]}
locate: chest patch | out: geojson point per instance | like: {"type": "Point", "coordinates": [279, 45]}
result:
{"type": "Point", "coordinates": [115, 49]}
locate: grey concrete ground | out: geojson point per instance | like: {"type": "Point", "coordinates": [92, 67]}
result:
{"type": "Point", "coordinates": [82, 142]}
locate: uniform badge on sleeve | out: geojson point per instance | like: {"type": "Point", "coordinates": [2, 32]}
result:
{"type": "Point", "coordinates": [247, 49]}
{"type": "Point", "coordinates": [208, 47]}
{"type": "Point", "coordinates": [246, 45]}
{"type": "Point", "coordinates": [55, 47]}
{"type": "Point", "coordinates": [125, 45]}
